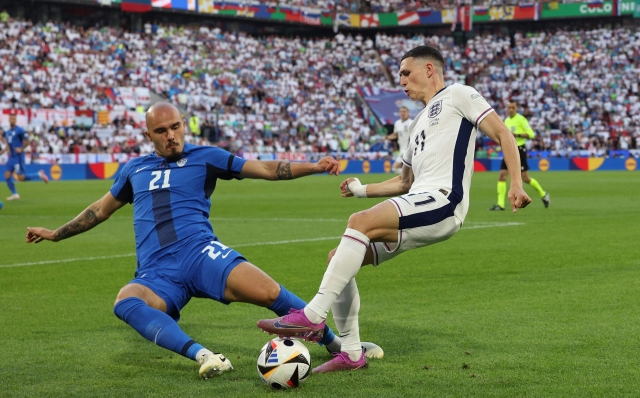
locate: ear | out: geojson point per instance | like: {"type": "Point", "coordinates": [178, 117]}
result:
{"type": "Point", "coordinates": [147, 134]}
{"type": "Point", "coordinates": [429, 68]}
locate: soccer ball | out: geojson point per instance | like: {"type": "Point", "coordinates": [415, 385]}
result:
{"type": "Point", "coordinates": [284, 363]}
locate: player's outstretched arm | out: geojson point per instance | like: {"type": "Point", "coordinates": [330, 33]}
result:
{"type": "Point", "coordinates": [495, 128]}
{"type": "Point", "coordinates": [398, 185]}
{"type": "Point", "coordinates": [93, 215]}
{"type": "Point", "coordinates": [285, 170]}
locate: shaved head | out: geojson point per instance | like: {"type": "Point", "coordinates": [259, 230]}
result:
{"type": "Point", "coordinates": [157, 109]}
{"type": "Point", "coordinates": [165, 129]}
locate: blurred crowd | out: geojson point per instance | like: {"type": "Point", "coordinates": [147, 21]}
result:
{"type": "Point", "coordinates": [383, 6]}
{"type": "Point", "coordinates": [579, 89]}
{"type": "Point", "coordinates": [291, 94]}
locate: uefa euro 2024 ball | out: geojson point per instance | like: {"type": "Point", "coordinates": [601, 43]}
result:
{"type": "Point", "coordinates": [284, 363]}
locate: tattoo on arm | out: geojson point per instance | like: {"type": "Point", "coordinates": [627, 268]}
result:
{"type": "Point", "coordinates": [284, 171]}
{"type": "Point", "coordinates": [84, 222]}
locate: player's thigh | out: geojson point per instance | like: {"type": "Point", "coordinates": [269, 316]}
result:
{"type": "Point", "coordinates": [425, 218]}
{"type": "Point", "coordinates": [379, 223]}
{"type": "Point", "coordinates": [249, 284]}
{"type": "Point", "coordinates": [210, 265]}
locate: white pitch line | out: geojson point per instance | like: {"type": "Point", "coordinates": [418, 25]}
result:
{"type": "Point", "coordinates": [477, 225]}
{"type": "Point", "coordinates": [279, 242]}
{"type": "Point", "coordinates": [69, 260]}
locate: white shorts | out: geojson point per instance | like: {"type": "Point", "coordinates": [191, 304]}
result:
{"type": "Point", "coordinates": [425, 218]}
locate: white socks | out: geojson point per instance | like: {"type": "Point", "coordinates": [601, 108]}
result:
{"type": "Point", "coordinates": [344, 265]}
{"type": "Point", "coordinates": [345, 314]}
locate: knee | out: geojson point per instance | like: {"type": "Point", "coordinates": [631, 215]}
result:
{"type": "Point", "coordinates": [358, 221]}
{"type": "Point", "coordinates": [123, 307]}
{"type": "Point", "coordinates": [126, 292]}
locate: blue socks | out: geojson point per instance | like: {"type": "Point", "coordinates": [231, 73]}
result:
{"type": "Point", "coordinates": [156, 326]}
{"type": "Point", "coordinates": [11, 185]}
{"type": "Point", "coordinates": [159, 328]}
{"type": "Point", "coordinates": [31, 177]}
{"type": "Point", "coordinates": [287, 300]}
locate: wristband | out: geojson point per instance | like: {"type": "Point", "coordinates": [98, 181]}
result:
{"type": "Point", "coordinates": [357, 189]}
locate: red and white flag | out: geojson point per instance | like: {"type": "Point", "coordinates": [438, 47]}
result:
{"type": "Point", "coordinates": [161, 3]}
{"type": "Point", "coordinates": [408, 18]}
{"type": "Point", "coordinates": [465, 18]}
{"type": "Point", "coordinates": [369, 20]}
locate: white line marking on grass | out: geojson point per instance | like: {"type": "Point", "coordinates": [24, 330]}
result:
{"type": "Point", "coordinates": [69, 260]}
{"type": "Point", "coordinates": [476, 225]}
{"type": "Point", "coordinates": [279, 219]}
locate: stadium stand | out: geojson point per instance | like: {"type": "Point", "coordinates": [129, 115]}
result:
{"type": "Point", "coordinates": [265, 94]}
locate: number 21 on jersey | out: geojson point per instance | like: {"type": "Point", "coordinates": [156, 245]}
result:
{"type": "Point", "coordinates": [157, 175]}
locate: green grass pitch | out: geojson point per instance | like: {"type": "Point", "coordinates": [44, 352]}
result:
{"type": "Point", "coordinates": [540, 303]}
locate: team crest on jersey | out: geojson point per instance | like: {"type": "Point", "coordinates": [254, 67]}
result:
{"type": "Point", "coordinates": [181, 162]}
{"type": "Point", "coordinates": [435, 109]}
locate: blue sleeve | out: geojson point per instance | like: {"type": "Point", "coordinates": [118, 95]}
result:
{"type": "Point", "coordinates": [121, 188]}
{"type": "Point", "coordinates": [223, 164]}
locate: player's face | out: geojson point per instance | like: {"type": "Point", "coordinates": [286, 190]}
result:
{"type": "Point", "coordinates": [414, 79]}
{"type": "Point", "coordinates": [166, 129]}
{"type": "Point", "coordinates": [512, 109]}
{"type": "Point", "coordinates": [404, 114]}
{"type": "Point", "coordinates": [12, 120]}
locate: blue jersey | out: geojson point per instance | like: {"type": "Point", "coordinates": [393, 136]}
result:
{"type": "Point", "coordinates": [15, 138]}
{"type": "Point", "coordinates": [171, 200]}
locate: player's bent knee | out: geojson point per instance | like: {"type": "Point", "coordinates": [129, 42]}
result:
{"type": "Point", "coordinates": [359, 221]}
{"type": "Point", "coordinates": [143, 293]}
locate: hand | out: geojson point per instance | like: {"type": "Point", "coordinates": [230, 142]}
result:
{"type": "Point", "coordinates": [518, 198]}
{"type": "Point", "coordinates": [18, 150]}
{"type": "Point", "coordinates": [344, 188]}
{"type": "Point", "coordinates": [37, 235]}
{"type": "Point", "coordinates": [329, 165]}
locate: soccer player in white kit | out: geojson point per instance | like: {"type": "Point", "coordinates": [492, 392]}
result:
{"type": "Point", "coordinates": [429, 201]}
{"type": "Point", "coordinates": [401, 133]}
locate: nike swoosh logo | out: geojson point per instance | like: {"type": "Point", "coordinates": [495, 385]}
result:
{"type": "Point", "coordinates": [226, 254]}
{"type": "Point", "coordinates": [142, 168]}
{"type": "Point", "coordinates": [279, 325]}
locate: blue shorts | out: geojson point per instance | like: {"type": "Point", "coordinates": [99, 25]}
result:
{"type": "Point", "coordinates": [199, 269]}
{"type": "Point", "coordinates": [15, 164]}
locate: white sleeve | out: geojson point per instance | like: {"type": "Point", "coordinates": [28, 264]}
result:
{"type": "Point", "coordinates": [471, 104]}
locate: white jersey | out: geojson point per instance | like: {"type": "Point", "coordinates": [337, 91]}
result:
{"type": "Point", "coordinates": [442, 144]}
{"type": "Point", "coordinates": [402, 128]}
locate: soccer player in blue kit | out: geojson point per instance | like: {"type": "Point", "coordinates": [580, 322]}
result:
{"type": "Point", "coordinates": [178, 255]}
{"type": "Point", "coordinates": [17, 140]}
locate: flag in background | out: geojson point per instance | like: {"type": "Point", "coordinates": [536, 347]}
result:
{"type": "Point", "coordinates": [464, 15]}
{"type": "Point", "coordinates": [616, 11]}
{"type": "Point", "coordinates": [183, 5]}
{"type": "Point", "coordinates": [135, 5]}
{"type": "Point", "coordinates": [369, 20]}
{"type": "Point", "coordinates": [408, 18]}
{"type": "Point", "coordinates": [480, 10]}
{"type": "Point", "coordinates": [161, 3]}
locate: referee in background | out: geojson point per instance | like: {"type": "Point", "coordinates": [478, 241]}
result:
{"type": "Point", "coordinates": [519, 126]}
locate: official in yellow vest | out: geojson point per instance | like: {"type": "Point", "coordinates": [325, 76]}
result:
{"type": "Point", "coordinates": [194, 125]}
{"type": "Point", "coordinates": [519, 126]}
